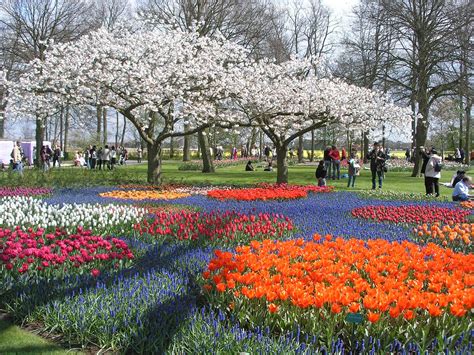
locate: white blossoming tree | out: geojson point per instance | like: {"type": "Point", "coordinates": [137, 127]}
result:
{"type": "Point", "coordinates": [287, 101]}
{"type": "Point", "coordinates": [160, 80]}
{"type": "Point", "coordinates": [164, 81]}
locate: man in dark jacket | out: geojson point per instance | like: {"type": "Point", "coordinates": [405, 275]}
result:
{"type": "Point", "coordinates": [377, 162]}
{"type": "Point", "coordinates": [327, 160]}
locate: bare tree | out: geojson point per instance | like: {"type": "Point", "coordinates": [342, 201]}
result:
{"type": "Point", "coordinates": [425, 39]}
{"type": "Point", "coordinates": [109, 13]}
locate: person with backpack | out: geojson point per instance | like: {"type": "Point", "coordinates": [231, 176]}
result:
{"type": "Point", "coordinates": [321, 173]}
{"type": "Point", "coordinates": [433, 173]}
{"type": "Point", "coordinates": [354, 169]}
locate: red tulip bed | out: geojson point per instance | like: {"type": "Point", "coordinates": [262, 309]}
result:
{"type": "Point", "coordinates": [226, 227]}
{"type": "Point", "coordinates": [24, 191]}
{"type": "Point", "coordinates": [411, 214]}
{"type": "Point", "coordinates": [35, 252]}
{"type": "Point", "coordinates": [268, 192]}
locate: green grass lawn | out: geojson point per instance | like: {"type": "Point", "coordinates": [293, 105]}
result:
{"type": "Point", "coordinates": [14, 340]}
{"type": "Point", "coordinates": [300, 174]}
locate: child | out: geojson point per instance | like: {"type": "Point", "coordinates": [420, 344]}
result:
{"type": "Point", "coordinates": [321, 173]}
{"type": "Point", "coordinates": [354, 169]}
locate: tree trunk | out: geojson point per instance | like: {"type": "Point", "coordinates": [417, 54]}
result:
{"type": "Point", "coordinates": [207, 163]}
{"type": "Point", "coordinates": [99, 123]}
{"type": "Point", "coordinates": [104, 119]}
{"type": "Point", "coordinates": [61, 129]}
{"type": "Point", "coordinates": [171, 148]}
{"type": "Point", "coordinates": [154, 163]}
{"type": "Point", "coordinates": [366, 145]}
{"type": "Point", "coordinates": [421, 129]}
{"type": "Point", "coordinates": [40, 124]}
{"type": "Point", "coordinates": [312, 146]}
{"type": "Point", "coordinates": [198, 149]}
{"type": "Point", "coordinates": [461, 121]}
{"type": "Point", "coordinates": [300, 149]}
{"type": "Point", "coordinates": [123, 132]}
{"type": "Point", "coordinates": [55, 135]}
{"type": "Point", "coordinates": [116, 127]}
{"type": "Point", "coordinates": [66, 128]}
{"type": "Point", "coordinates": [2, 119]}
{"type": "Point", "coordinates": [260, 153]}
{"type": "Point", "coordinates": [467, 149]}
{"type": "Point", "coordinates": [187, 145]}
{"type": "Point", "coordinates": [282, 164]}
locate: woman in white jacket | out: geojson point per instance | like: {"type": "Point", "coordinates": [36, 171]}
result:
{"type": "Point", "coordinates": [433, 173]}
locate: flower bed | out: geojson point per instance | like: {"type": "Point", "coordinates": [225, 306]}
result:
{"type": "Point", "coordinates": [399, 196]}
{"type": "Point", "coordinates": [59, 253]}
{"type": "Point", "coordinates": [166, 208]}
{"type": "Point", "coordinates": [179, 188]}
{"type": "Point", "coordinates": [456, 237]}
{"type": "Point", "coordinates": [143, 195]}
{"type": "Point", "coordinates": [268, 192]}
{"type": "Point", "coordinates": [467, 204]}
{"type": "Point", "coordinates": [397, 288]}
{"type": "Point", "coordinates": [196, 165]}
{"type": "Point", "coordinates": [411, 214]}
{"type": "Point", "coordinates": [101, 219]}
{"type": "Point", "coordinates": [228, 227]}
{"type": "Point", "coordinates": [24, 191]}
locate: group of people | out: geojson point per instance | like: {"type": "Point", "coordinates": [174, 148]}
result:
{"type": "Point", "coordinates": [47, 155]}
{"type": "Point", "coordinates": [329, 167]}
{"type": "Point", "coordinates": [102, 158]}
{"type": "Point", "coordinates": [431, 170]}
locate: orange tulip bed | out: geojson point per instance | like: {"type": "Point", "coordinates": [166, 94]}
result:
{"type": "Point", "coordinates": [468, 204]}
{"type": "Point", "coordinates": [396, 288]}
{"type": "Point", "coordinates": [456, 236]}
{"type": "Point", "coordinates": [143, 195]}
{"type": "Point", "coordinates": [268, 192]}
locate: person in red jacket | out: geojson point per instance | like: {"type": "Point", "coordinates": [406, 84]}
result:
{"type": "Point", "coordinates": [336, 162]}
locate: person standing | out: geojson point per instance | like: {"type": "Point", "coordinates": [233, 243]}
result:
{"type": "Point", "coordinates": [44, 158]}
{"type": "Point", "coordinates": [457, 155]}
{"type": "Point", "coordinates": [343, 154]}
{"type": "Point", "coordinates": [17, 158]}
{"type": "Point", "coordinates": [93, 157]}
{"type": "Point", "coordinates": [100, 157]}
{"type": "Point", "coordinates": [407, 154]}
{"type": "Point", "coordinates": [461, 190]}
{"type": "Point", "coordinates": [113, 158]}
{"type": "Point", "coordinates": [57, 156]}
{"type": "Point", "coordinates": [335, 162]}
{"type": "Point", "coordinates": [433, 173]}
{"type": "Point", "coordinates": [106, 157]}
{"type": "Point", "coordinates": [425, 155]}
{"type": "Point", "coordinates": [139, 155]}
{"type": "Point", "coordinates": [354, 169]}
{"type": "Point", "coordinates": [266, 152]}
{"type": "Point", "coordinates": [87, 154]}
{"type": "Point", "coordinates": [327, 161]}
{"type": "Point", "coordinates": [377, 164]}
